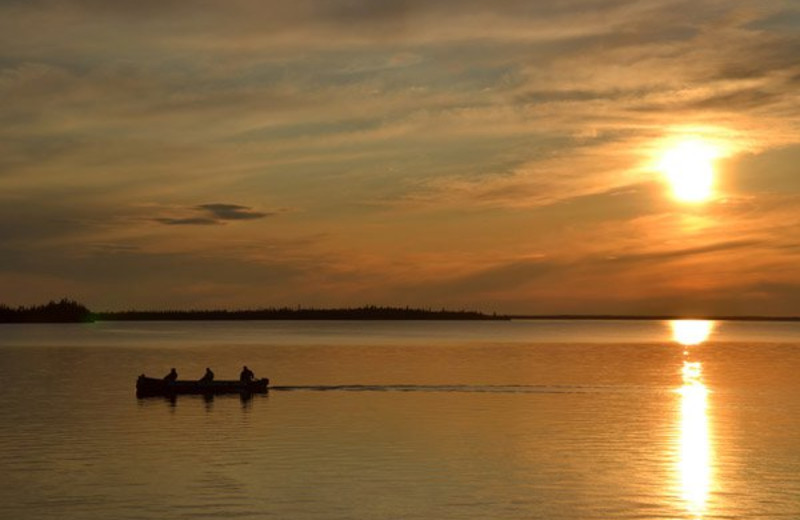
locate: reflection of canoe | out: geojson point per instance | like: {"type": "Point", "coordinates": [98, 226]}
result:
{"type": "Point", "coordinates": [146, 386]}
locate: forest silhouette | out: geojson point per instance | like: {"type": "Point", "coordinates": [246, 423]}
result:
{"type": "Point", "coordinates": [63, 311]}
{"type": "Point", "coordinates": [69, 311]}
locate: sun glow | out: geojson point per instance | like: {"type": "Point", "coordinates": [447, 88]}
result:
{"type": "Point", "coordinates": [688, 166]}
{"type": "Point", "coordinates": [691, 332]}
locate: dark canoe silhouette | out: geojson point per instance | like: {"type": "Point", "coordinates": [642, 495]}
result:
{"type": "Point", "coordinates": [151, 386]}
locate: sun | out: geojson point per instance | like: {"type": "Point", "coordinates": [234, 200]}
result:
{"type": "Point", "coordinates": [691, 332]}
{"type": "Point", "coordinates": [688, 167]}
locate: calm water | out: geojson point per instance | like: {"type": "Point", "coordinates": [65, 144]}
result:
{"type": "Point", "coordinates": [404, 420]}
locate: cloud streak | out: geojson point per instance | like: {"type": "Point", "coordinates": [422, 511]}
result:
{"type": "Point", "coordinates": [213, 214]}
{"type": "Point", "coordinates": [232, 211]}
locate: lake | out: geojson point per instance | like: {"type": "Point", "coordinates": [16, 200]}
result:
{"type": "Point", "coordinates": [551, 420]}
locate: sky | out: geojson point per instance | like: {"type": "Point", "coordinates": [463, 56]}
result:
{"type": "Point", "coordinates": [503, 156]}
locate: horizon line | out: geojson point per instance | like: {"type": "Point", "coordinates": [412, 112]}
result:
{"type": "Point", "coordinates": [75, 309]}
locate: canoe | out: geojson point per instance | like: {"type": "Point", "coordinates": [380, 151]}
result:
{"type": "Point", "coordinates": [151, 386]}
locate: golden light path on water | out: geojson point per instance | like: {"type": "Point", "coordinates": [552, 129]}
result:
{"type": "Point", "coordinates": [695, 443]}
{"type": "Point", "coordinates": [691, 332]}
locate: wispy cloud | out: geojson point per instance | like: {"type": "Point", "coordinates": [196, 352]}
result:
{"type": "Point", "coordinates": [232, 212]}
{"type": "Point", "coordinates": [188, 221]}
{"type": "Point", "coordinates": [214, 213]}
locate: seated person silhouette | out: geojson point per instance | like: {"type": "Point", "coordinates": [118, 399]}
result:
{"type": "Point", "coordinates": [247, 375]}
{"type": "Point", "coordinates": [208, 376]}
{"type": "Point", "coordinates": [172, 376]}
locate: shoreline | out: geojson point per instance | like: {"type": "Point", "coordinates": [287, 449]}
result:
{"type": "Point", "coordinates": [69, 311]}
{"type": "Point", "coordinates": [776, 319]}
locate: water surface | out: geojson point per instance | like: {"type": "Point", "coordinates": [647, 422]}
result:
{"type": "Point", "coordinates": [551, 420]}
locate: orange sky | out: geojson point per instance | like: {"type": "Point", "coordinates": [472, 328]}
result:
{"type": "Point", "coordinates": [500, 156]}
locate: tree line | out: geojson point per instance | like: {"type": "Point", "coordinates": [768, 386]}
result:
{"type": "Point", "coordinates": [69, 311]}
{"type": "Point", "coordinates": [63, 311]}
{"type": "Point", "coordinates": [370, 312]}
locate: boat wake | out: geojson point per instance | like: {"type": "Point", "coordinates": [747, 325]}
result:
{"type": "Point", "coordinates": [499, 389]}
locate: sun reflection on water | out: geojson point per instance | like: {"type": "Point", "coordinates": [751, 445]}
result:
{"type": "Point", "coordinates": [691, 332]}
{"type": "Point", "coordinates": [695, 446]}
{"type": "Point", "coordinates": [695, 455]}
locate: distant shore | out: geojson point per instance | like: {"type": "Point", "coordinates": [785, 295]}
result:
{"type": "Point", "coordinates": [69, 311]}
{"type": "Point", "coordinates": [390, 314]}
{"type": "Point", "coordinates": [353, 314]}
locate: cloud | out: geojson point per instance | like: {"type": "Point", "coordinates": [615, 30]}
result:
{"type": "Point", "coordinates": [571, 169]}
{"type": "Point", "coordinates": [656, 281]}
{"type": "Point", "coordinates": [188, 221]}
{"type": "Point", "coordinates": [213, 214]}
{"type": "Point", "coordinates": [232, 212]}
{"type": "Point", "coordinates": [685, 252]}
